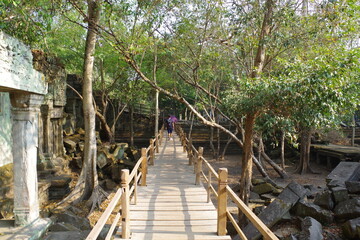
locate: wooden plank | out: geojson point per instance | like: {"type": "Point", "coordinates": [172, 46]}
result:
{"type": "Point", "coordinates": [172, 207]}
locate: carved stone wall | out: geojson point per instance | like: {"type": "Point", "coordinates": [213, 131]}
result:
{"type": "Point", "coordinates": [52, 109]}
{"type": "Point", "coordinates": [5, 130]}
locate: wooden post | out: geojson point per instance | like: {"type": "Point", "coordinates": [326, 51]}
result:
{"type": "Point", "coordinates": [157, 143]}
{"type": "Point", "coordinates": [184, 142]}
{"type": "Point", "coordinates": [136, 179]}
{"type": "Point", "coordinates": [125, 206]}
{"type": "Point", "coordinates": [222, 201]}
{"type": "Point", "coordinates": [143, 166]}
{"type": "Point", "coordinates": [152, 154]}
{"type": "Point", "coordinates": [161, 135]}
{"type": "Point", "coordinates": [199, 166]}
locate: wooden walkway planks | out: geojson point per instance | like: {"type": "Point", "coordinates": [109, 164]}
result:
{"type": "Point", "coordinates": [171, 206]}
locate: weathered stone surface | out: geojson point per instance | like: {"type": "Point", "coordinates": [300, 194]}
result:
{"type": "Point", "coordinates": [110, 185]}
{"type": "Point", "coordinates": [342, 173]}
{"type": "Point", "coordinates": [348, 209]}
{"type": "Point", "coordinates": [311, 229]}
{"type": "Point", "coordinates": [353, 186]}
{"type": "Point", "coordinates": [254, 195]}
{"type": "Point", "coordinates": [324, 199]}
{"type": "Point", "coordinates": [17, 70]}
{"type": "Point", "coordinates": [6, 208]}
{"type": "Point", "coordinates": [25, 149]}
{"type": "Point", "coordinates": [277, 209]}
{"type": "Point", "coordinates": [304, 209]}
{"type": "Point", "coordinates": [79, 222]}
{"type": "Point", "coordinates": [70, 145]}
{"type": "Point", "coordinates": [340, 194]}
{"type": "Point", "coordinates": [263, 188]}
{"type": "Point", "coordinates": [62, 227]}
{"type": "Point", "coordinates": [66, 235]}
{"type": "Point", "coordinates": [351, 228]}
{"type": "Point", "coordinates": [257, 181]}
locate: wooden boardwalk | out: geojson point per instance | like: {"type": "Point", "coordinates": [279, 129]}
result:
{"type": "Point", "coordinates": [171, 206]}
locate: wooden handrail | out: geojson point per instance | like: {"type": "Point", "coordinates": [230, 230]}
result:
{"type": "Point", "coordinates": [125, 193]}
{"type": "Point", "coordinates": [223, 190]}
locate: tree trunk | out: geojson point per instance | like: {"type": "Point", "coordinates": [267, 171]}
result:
{"type": "Point", "coordinates": [304, 164]}
{"type": "Point", "coordinates": [246, 171]}
{"type": "Point", "coordinates": [353, 131]}
{"type": "Point", "coordinates": [132, 126]}
{"type": "Point", "coordinates": [212, 141]}
{"type": "Point", "coordinates": [282, 145]}
{"type": "Point", "coordinates": [106, 134]}
{"type": "Point", "coordinates": [87, 186]}
{"type": "Point", "coordinates": [218, 140]}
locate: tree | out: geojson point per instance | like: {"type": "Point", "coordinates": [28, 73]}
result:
{"type": "Point", "coordinates": [87, 186]}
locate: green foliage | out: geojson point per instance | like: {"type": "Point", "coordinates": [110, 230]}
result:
{"type": "Point", "coordinates": [28, 20]}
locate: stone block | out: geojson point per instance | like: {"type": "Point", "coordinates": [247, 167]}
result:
{"type": "Point", "coordinates": [340, 194]}
{"type": "Point", "coordinates": [353, 186]}
{"type": "Point", "coordinates": [351, 228]}
{"type": "Point", "coordinates": [263, 188]}
{"type": "Point", "coordinates": [325, 200]}
{"type": "Point", "coordinates": [348, 209]}
{"type": "Point", "coordinates": [311, 229]}
{"type": "Point", "coordinates": [305, 209]}
{"type": "Point", "coordinates": [70, 145]}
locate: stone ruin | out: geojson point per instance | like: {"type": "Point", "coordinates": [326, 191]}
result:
{"type": "Point", "coordinates": [311, 207]}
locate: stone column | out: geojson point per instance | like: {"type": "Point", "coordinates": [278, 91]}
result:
{"type": "Point", "coordinates": [25, 115]}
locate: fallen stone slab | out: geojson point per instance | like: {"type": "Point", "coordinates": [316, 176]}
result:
{"type": "Point", "coordinates": [311, 229]}
{"type": "Point", "coordinates": [342, 173]}
{"type": "Point", "coordinates": [351, 228]}
{"type": "Point", "coordinates": [305, 209]}
{"type": "Point", "coordinates": [348, 209]}
{"type": "Point", "coordinates": [277, 209]}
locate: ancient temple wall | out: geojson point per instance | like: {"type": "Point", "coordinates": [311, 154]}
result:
{"type": "Point", "coordinates": [5, 130]}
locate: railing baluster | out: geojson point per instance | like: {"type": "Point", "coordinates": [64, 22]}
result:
{"type": "Point", "coordinates": [135, 187]}
{"type": "Point", "coordinates": [209, 187]}
{"type": "Point", "coordinates": [152, 154]}
{"type": "Point", "coordinates": [222, 201]}
{"type": "Point", "coordinates": [125, 210]}
{"type": "Point", "coordinates": [143, 166]}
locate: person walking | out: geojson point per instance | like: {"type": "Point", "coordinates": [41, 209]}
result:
{"type": "Point", "coordinates": [169, 126]}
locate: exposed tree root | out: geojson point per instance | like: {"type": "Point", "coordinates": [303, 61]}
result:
{"type": "Point", "coordinates": [96, 198]}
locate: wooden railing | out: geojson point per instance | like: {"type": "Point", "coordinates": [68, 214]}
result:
{"type": "Point", "coordinates": [126, 193]}
{"type": "Point", "coordinates": [223, 191]}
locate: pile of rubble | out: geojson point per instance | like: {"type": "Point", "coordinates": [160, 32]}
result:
{"type": "Point", "coordinates": [312, 208]}
{"type": "Point", "coordinates": [111, 158]}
